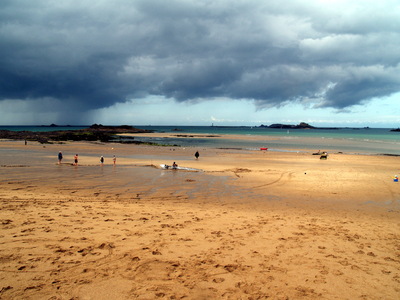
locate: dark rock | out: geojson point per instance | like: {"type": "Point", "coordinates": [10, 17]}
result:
{"type": "Point", "coordinates": [94, 133]}
{"type": "Point", "coordinates": [302, 125]}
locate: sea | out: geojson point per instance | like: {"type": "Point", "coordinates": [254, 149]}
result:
{"type": "Point", "coordinates": [361, 141]}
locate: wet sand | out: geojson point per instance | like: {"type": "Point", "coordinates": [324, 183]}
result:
{"type": "Point", "coordinates": [250, 225]}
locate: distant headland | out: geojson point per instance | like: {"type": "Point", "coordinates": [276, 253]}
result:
{"type": "Point", "coordinates": [301, 125]}
{"type": "Point", "coordinates": [304, 125]}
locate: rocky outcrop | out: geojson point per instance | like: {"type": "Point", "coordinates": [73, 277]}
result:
{"type": "Point", "coordinates": [93, 133]}
{"type": "Point", "coordinates": [302, 125]}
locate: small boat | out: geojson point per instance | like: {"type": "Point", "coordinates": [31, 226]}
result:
{"type": "Point", "coordinates": [324, 155]}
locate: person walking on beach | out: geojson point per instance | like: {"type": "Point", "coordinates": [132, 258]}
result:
{"type": "Point", "coordinates": [114, 160]}
{"type": "Point", "coordinates": [60, 157]}
{"type": "Point", "coordinates": [101, 160]}
{"type": "Point", "coordinates": [76, 160]}
{"type": "Point", "coordinates": [197, 154]}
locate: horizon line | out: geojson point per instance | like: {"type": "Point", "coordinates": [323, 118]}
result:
{"type": "Point", "coordinates": [233, 126]}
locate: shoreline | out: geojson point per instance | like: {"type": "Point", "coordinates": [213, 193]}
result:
{"type": "Point", "coordinates": [252, 224]}
{"type": "Point", "coordinates": [299, 141]}
{"type": "Point", "coordinates": [252, 163]}
{"type": "Point", "coordinates": [262, 139]}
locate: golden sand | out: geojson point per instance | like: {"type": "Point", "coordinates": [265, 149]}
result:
{"type": "Point", "coordinates": [250, 225]}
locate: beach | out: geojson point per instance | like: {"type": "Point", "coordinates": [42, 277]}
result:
{"type": "Point", "coordinates": [247, 225]}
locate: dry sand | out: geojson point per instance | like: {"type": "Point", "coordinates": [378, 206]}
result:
{"type": "Point", "coordinates": [251, 225]}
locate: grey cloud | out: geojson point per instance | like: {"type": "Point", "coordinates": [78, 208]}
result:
{"type": "Point", "coordinates": [95, 54]}
{"type": "Point", "coordinates": [362, 84]}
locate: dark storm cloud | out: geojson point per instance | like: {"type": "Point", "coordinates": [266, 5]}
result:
{"type": "Point", "coordinates": [96, 53]}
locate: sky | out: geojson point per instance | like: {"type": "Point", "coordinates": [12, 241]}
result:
{"type": "Point", "coordinates": [200, 62]}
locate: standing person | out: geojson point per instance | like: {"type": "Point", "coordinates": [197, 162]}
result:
{"type": "Point", "coordinates": [101, 160]}
{"type": "Point", "coordinates": [197, 154]}
{"type": "Point", "coordinates": [114, 160]}
{"type": "Point", "coordinates": [76, 160]}
{"type": "Point", "coordinates": [60, 157]}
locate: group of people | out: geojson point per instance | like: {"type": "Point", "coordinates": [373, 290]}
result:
{"type": "Point", "coordinates": [175, 165]}
{"type": "Point", "coordinates": [76, 156]}
{"type": "Point", "coordinates": [60, 158]}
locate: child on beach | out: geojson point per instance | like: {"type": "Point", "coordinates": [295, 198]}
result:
{"type": "Point", "coordinates": [60, 157]}
{"type": "Point", "coordinates": [101, 160]}
{"type": "Point", "coordinates": [76, 160]}
{"type": "Point", "coordinates": [114, 160]}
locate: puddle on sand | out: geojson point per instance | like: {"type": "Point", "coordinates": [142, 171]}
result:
{"type": "Point", "coordinates": [387, 203]}
{"type": "Point", "coordinates": [127, 182]}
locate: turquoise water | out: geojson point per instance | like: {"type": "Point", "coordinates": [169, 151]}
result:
{"type": "Point", "coordinates": [360, 133]}
{"type": "Point", "coordinates": [347, 140]}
